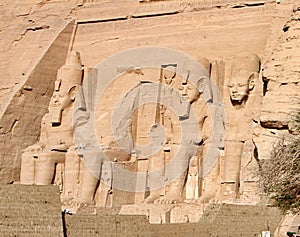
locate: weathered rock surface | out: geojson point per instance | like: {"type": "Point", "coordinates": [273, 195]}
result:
{"type": "Point", "coordinates": [34, 41]}
{"type": "Point", "coordinates": [256, 42]}
{"type": "Point", "coordinates": [281, 76]}
{"type": "Point", "coordinates": [30, 211]}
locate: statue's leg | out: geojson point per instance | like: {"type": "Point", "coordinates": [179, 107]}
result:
{"type": "Point", "coordinates": [156, 177]}
{"type": "Point", "coordinates": [90, 170]}
{"type": "Point", "coordinates": [45, 169]}
{"type": "Point", "coordinates": [209, 185]}
{"type": "Point", "coordinates": [27, 168]}
{"type": "Point", "coordinates": [177, 176]}
{"type": "Point", "coordinates": [210, 173]}
{"type": "Point", "coordinates": [176, 187]}
{"type": "Point", "coordinates": [88, 186]}
{"type": "Point", "coordinates": [231, 169]}
{"type": "Point", "coordinates": [71, 174]}
{"type": "Point", "coordinates": [191, 192]}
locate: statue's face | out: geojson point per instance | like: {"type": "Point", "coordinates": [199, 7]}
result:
{"type": "Point", "coordinates": [190, 92]}
{"type": "Point", "coordinates": [239, 87]}
{"type": "Point", "coordinates": [60, 99]}
{"type": "Point", "coordinates": [169, 75]}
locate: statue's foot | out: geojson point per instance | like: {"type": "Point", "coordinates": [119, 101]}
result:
{"type": "Point", "coordinates": [206, 198]}
{"type": "Point", "coordinates": [73, 205]}
{"type": "Point", "coordinates": [151, 198]}
{"type": "Point", "coordinates": [167, 199]}
{"type": "Point", "coordinates": [83, 202]}
{"type": "Point", "coordinates": [196, 201]}
{"type": "Point", "coordinates": [191, 200]}
{"type": "Point", "coordinates": [65, 199]}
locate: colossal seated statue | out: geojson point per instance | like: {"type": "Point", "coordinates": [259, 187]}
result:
{"type": "Point", "coordinates": [186, 149]}
{"type": "Point", "coordinates": [239, 121]}
{"type": "Point", "coordinates": [39, 161]}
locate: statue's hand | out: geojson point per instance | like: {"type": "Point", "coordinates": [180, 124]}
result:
{"type": "Point", "coordinates": [60, 147]}
{"type": "Point", "coordinates": [35, 148]}
{"type": "Point", "coordinates": [198, 141]}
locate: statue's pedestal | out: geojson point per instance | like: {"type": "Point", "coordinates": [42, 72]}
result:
{"type": "Point", "coordinates": [166, 213]}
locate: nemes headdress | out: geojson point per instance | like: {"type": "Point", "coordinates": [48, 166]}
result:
{"type": "Point", "coordinates": [249, 64]}
{"type": "Point", "coordinates": [70, 74]}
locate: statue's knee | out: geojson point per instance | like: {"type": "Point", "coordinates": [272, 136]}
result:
{"type": "Point", "coordinates": [44, 160]}
{"type": "Point", "coordinates": [72, 157]}
{"type": "Point", "coordinates": [25, 160]}
{"type": "Point", "coordinates": [27, 169]}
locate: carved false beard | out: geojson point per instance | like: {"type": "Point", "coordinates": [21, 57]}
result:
{"type": "Point", "coordinates": [56, 113]}
{"type": "Point", "coordinates": [185, 110]}
{"type": "Point", "coordinates": [239, 103]}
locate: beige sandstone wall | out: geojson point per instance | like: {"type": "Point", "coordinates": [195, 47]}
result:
{"type": "Point", "coordinates": [36, 35]}
{"type": "Point", "coordinates": [34, 40]}
{"type": "Point", "coordinates": [41, 216]}
{"type": "Point", "coordinates": [280, 76]}
{"type": "Point", "coordinates": [224, 220]}
{"type": "Point", "coordinates": [20, 122]}
{"type": "Point", "coordinates": [212, 33]}
{"type": "Point", "coordinates": [30, 211]}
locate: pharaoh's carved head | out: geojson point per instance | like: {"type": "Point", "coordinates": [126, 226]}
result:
{"type": "Point", "coordinates": [169, 73]}
{"type": "Point", "coordinates": [244, 75]}
{"type": "Point", "coordinates": [68, 79]}
{"type": "Point", "coordinates": [189, 92]}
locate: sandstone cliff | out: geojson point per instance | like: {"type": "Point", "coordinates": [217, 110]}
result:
{"type": "Point", "coordinates": [35, 37]}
